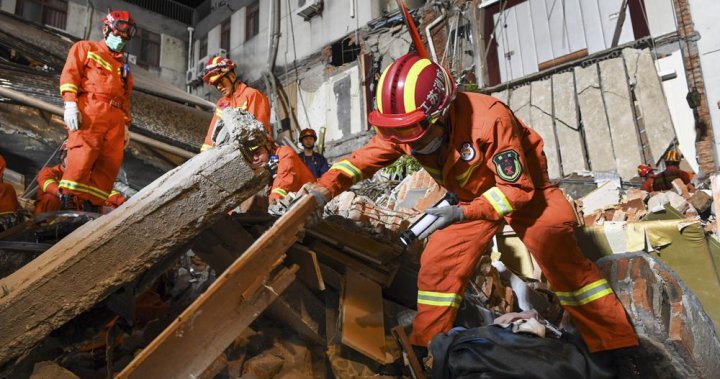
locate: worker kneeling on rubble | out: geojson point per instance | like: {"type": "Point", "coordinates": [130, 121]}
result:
{"type": "Point", "coordinates": [475, 147]}
{"type": "Point", "coordinates": [95, 84]}
{"type": "Point", "coordinates": [49, 195]}
{"type": "Point", "coordinates": [9, 206]}
{"type": "Point", "coordinates": [663, 181]}
{"type": "Point", "coordinates": [220, 73]}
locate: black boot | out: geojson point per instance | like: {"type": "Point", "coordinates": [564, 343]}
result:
{"type": "Point", "coordinates": [68, 202]}
{"type": "Point", "coordinates": [88, 207]}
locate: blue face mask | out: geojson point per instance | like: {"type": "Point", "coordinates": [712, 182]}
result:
{"type": "Point", "coordinates": [114, 42]}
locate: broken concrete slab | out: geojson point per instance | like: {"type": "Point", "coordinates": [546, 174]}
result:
{"type": "Point", "coordinates": [541, 110]}
{"type": "Point", "coordinates": [567, 128]}
{"type": "Point", "coordinates": [520, 103]}
{"type": "Point", "coordinates": [101, 256]}
{"type": "Point", "coordinates": [651, 103]}
{"type": "Point", "coordinates": [623, 131]}
{"type": "Point", "coordinates": [51, 370]}
{"type": "Point", "coordinates": [595, 124]}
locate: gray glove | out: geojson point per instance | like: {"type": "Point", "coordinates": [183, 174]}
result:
{"type": "Point", "coordinates": [72, 116]}
{"type": "Point", "coordinates": [445, 216]}
{"type": "Point", "coordinates": [319, 197]}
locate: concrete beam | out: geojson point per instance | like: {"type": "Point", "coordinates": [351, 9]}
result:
{"type": "Point", "coordinates": [652, 105]}
{"type": "Point", "coordinates": [567, 127]}
{"type": "Point", "coordinates": [541, 119]}
{"type": "Point", "coordinates": [592, 111]}
{"type": "Point", "coordinates": [101, 256]}
{"type": "Point", "coordinates": [621, 118]}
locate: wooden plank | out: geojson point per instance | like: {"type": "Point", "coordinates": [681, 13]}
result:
{"type": "Point", "coordinates": [520, 103]}
{"type": "Point", "coordinates": [198, 336]}
{"type": "Point", "coordinates": [562, 59]}
{"type": "Point", "coordinates": [363, 326]}
{"type": "Point", "coordinates": [541, 120]}
{"type": "Point", "coordinates": [595, 124]}
{"type": "Point", "coordinates": [652, 106]}
{"type": "Point", "coordinates": [623, 131]}
{"type": "Point", "coordinates": [299, 309]}
{"type": "Point", "coordinates": [567, 128]}
{"type": "Point", "coordinates": [101, 256]}
{"type": "Point", "coordinates": [416, 368]}
{"type": "Point", "coordinates": [309, 272]}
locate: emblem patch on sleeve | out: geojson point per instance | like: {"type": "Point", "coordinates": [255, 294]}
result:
{"type": "Point", "coordinates": [507, 165]}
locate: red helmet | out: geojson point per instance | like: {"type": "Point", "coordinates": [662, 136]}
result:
{"type": "Point", "coordinates": [411, 94]}
{"type": "Point", "coordinates": [120, 22]}
{"type": "Point", "coordinates": [308, 133]}
{"type": "Point", "coordinates": [216, 68]}
{"type": "Point", "coordinates": [644, 170]}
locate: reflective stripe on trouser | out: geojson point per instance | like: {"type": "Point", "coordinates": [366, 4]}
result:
{"type": "Point", "coordinates": [95, 154]}
{"type": "Point", "coordinates": [545, 225]}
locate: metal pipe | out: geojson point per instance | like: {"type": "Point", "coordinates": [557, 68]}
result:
{"type": "Point", "coordinates": [54, 109]}
{"type": "Point", "coordinates": [190, 60]}
{"type": "Point", "coordinates": [430, 43]}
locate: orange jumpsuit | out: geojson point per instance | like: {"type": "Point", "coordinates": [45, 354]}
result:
{"type": "Point", "coordinates": [115, 200]}
{"type": "Point", "coordinates": [292, 174]}
{"type": "Point", "coordinates": [8, 198]}
{"type": "Point", "coordinates": [48, 189]}
{"type": "Point", "coordinates": [245, 98]}
{"type": "Point", "coordinates": [93, 76]}
{"type": "Point", "coordinates": [496, 166]}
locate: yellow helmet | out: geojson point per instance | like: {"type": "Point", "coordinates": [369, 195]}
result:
{"type": "Point", "coordinates": [672, 156]}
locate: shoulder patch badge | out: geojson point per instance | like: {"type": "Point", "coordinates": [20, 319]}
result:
{"type": "Point", "coordinates": [507, 165]}
{"type": "Point", "coordinates": [467, 152]}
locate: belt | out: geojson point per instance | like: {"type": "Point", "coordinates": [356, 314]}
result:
{"type": "Point", "coordinates": [113, 101]}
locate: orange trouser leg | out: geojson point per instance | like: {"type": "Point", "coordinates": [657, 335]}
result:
{"type": "Point", "coordinates": [84, 147]}
{"type": "Point", "coordinates": [109, 160]}
{"type": "Point", "coordinates": [47, 203]}
{"type": "Point", "coordinates": [546, 227]}
{"type": "Point", "coordinates": [446, 265]}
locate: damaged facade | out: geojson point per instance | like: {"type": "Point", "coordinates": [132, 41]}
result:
{"type": "Point", "coordinates": [329, 295]}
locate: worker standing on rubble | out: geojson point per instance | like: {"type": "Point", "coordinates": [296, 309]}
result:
{"type": "Point", "coordinates": [9, 206]}
{"type": "Point", "coordinates": [663, 180]}
{"type": "Point", "coordinates": [316, 162]}
{"type": "Point", "coordinates": [220, 73]}
{"type": "Point", "coordinates": [475, 147]}
{"type": "Point", "coordinates": [96, 84]}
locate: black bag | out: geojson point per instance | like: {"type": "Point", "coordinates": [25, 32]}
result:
{"type": "Point", "coordinates": [496, 352]}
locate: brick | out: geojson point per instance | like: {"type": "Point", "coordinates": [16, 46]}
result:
{"type": "Point", "coordinates": [621, 269]}
{"type": "Point", "coordinates": [674, 291]}
{"type": "Point", "coordinates": [641, 297]}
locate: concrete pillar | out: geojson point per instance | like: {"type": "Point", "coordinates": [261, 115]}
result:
{"type": "Point", "coordinates": [595, 124]}
{"type": "Point", "coordinates": [567, 128]}
{"type": "Point", "coordinates": [541, 120]}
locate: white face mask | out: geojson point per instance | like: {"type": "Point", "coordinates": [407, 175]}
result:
{"type": "Point", "coordinates": [431, 147]}
{"type": "Point", "coordinates": [114, 42]}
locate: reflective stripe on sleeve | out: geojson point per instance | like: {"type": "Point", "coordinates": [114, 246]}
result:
{"type": "Point", "coordinates": [439, 299]}
{"type": "Point", "coordinates": [75, 186]}
{"type": "Point", "coordinates": [205, 147]}
{"type": "Point", "coordinates": [280, 192]}
{"type": "Point", "coordinates": [498, 200]}
{"type": "Point", "coordinates": [68, 87]}
{"type": "Point", "coordinates": [586, 294]}
{"type": "Point", "coordinates": [349, 169]}
{"type": "Point", "coordinates": [47, 183]}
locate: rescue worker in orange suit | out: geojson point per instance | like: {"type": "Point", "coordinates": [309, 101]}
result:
{"type": "Point", "coordinates": [645, 172]}
{"type": "Point", "coordinates": [288, 171]}
{"type": "Point", "coordinates": [663, 180]}
{"type": "Point", "coordinates": [9, 205]}
{"type": "Point", "coordinates": [220, 73]}
{"type": "Point", "coordinates": [476, 148]}
{"type": "Point", "coordinates": [48, 197]}
{"type": "Point", "coordinates": [96, 84]}
{"type": "Point", "coordinates": [314, 161]}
